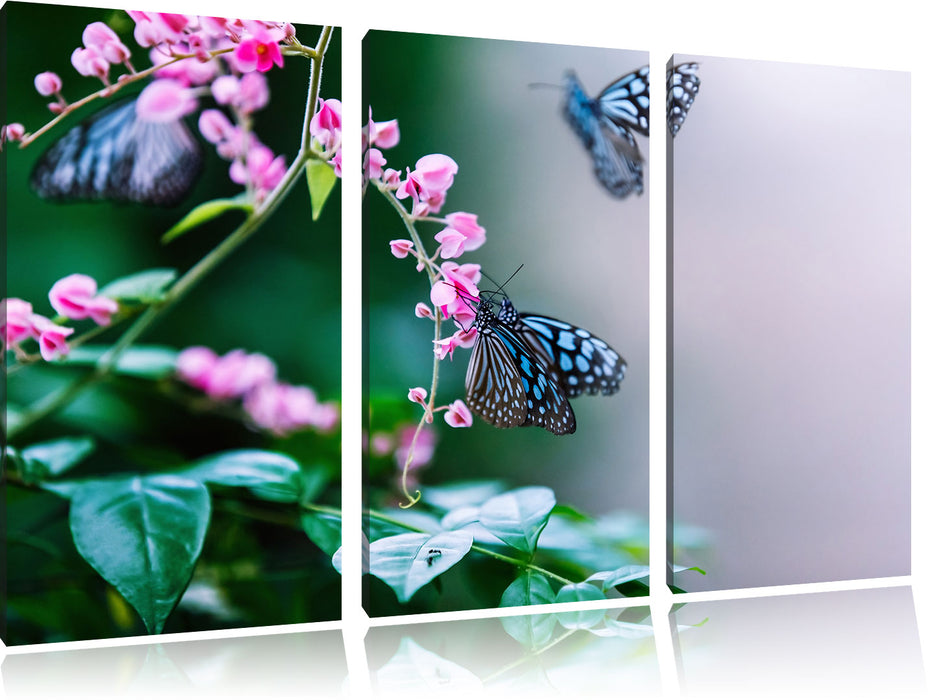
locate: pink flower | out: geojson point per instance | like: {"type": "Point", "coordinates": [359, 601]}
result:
{"type": "Point", "coordinates": [260, 51]}
{"type": "Point", "coordinates": [97, 34]}
{"type": "Point", "coordinates": [164, 101]}
{"type": "Point", "coordinates": [225, 89]}
{"type": "Point", "coordinates": [51, 337]}
{"type": "Point", "coordinates": [11, 132]}
{"type": "Point", "coordinates": [467, 225]}
{"type": "Point", "coordinates": [453, 293]}
{"type": "Point", "coordinates": [391, 177]}
{"type": "Point", "coordinates": [433, 176]}
{"type": "Point", "coordinates": [400, 248]}
{"type": "Point", "coordinates": [423, 449]}
{"type": "Point", "coordinates": [76, 297]}
{"type": "Point", "coordinates": [423, 311]}
{"type": "Point", "coordinates": [375, 162]}
{"type": "Point", "coordinates": [262, 170]}
{"type": "Point", "coordinates": [336, 163]}
{"type": "Point", "coordinates": [104, 40]}
{"type": "Point", "coordinates": [458, 415]}
{"type": "Point", "coordinates": [384, 134]}
{"type": "Point", "coordinates": [381, 444]}
{"type": "Point", "coordinates": [214, 126]}
{"type": "Point", "coordinates": [48, 83]}
{"type": "Point", "coordinates": [453, 243]}
{"type": "Point", "coordinates": [254, 93]}
{"type": "Point", "coordinates": [175, 23]}
{"type": "Point", "coordinates": [418, 395]}
{"type": "Point", "coordinates": [446, 346]}
{"type": "Point", "coordinates": [326, 124]}
{"type": "Point", "coordinates": [90, 62]}
{"type": "Point", "coordinates": [283, 408]}
{"type": "Point", "coordinates": [236, 373]}
{"type": "Point", "coordinates": [15, 321]}
{"type": "Point", "coordinates": [194, 365]}
{"type": "Point", "coordinates": [188, 71]}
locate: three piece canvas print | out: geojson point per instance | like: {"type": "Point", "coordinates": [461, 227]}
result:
{"type": "Point", "coordinates": [172, 319]}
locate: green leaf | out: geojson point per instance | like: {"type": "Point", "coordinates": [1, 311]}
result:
{"type": "Point", "coordinates": [575, 593]}
{"type": "Point", "coordinates": [532, 631]}
{"type": "Point", "coordinates": [458, 494]}
{"type": "Point", "coordinates": [461, 493]}
{"type": "Point", "coordinates": [147, 287]}
{"type": "Point", "coordinates": [409, 561]}
{"type": "Point", "coordinates": [321, 178]}
{"type": "Point", "coordinates": [324, 530]}
{"type": "Point", "coordinates": [143, 535]}
{"type": "Point", "coordinates": [56, 456]}
{"type": "Point", "coordinates": [519, 516]}
{"type": "Point", "coordinates": [415, 672]}
{"type": "Point", "coordinates": [144, 361]}
{"type": "Point", "coordinates": [529, 588]}
{"type": "Point", "coordinates": [624, 574]}
{"type": "Point", "coordinates": [269, 475]}
{"type": "Point", "coordinates": [205, 212]}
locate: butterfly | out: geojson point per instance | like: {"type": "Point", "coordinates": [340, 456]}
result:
{"type": "Point", "coordinates": [606, 124]}
{"type": "Point", "coordinates": [114, 155]}
{"type": "Point", "coordinates": [682, 86]}
{"type": "Point", "coordinates": [576, 360]}
{"type": "Point", "coordinates": [507, 385]}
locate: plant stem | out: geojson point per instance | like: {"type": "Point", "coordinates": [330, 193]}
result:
{"type": "Point", "coordinates": [430, 406]}
{"type": "Point", "coordinates": [55, 401]}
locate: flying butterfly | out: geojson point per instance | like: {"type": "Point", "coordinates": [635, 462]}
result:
{"type": "Point", "coordinates": [682, 86]}
{"type": "Point", "coordinates": [605, 124]}
{"type": "Point", "coordinates": [577, 361]}
{"type": "Point", "coordinates": [507, 385]}
{"type": "Point", "coordinates": [117, 156]}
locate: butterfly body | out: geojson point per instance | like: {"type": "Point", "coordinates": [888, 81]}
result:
{"type": "Point", "coordinates": [507, 385]}
{"type": "Point", "coordinates": [606, 124]}
{"type": "Point", "coordinates": [117, 156]}
{"type": "Point", "coordinates": [613, 149]}
{"type": "Point", "coordinates": [576, 360]}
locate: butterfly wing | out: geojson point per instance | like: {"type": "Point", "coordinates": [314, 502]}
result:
{"type": "Point", "coordinates": [113, 155]}
{"type": "Point", "coordinates": [682, 86]}
{"type": "Point", "coordinates": [508, 387]}
{"type": "Point", "coordinates": [577, 361]}
{"type": "Point", "coordinates": [617, 160]}
{"type": "Point", "coordinates": [581, 362]}
{"type": "Point", "coordinates": [613, 149]}
{"type": "Point", "coordinates": [626, 101]}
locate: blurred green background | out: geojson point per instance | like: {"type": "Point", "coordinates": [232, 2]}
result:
{"type": "Point", "coordinates": [584, 255]}
{"type": "Point", "coordinates": [278, 294]}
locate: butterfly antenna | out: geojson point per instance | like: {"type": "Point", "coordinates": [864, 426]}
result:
{"type": "Point", "coordinates": [534, 86]}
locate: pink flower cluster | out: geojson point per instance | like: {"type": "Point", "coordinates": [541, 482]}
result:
{"type": "Point", "coordinates": [326, 130]}
{"type": "Point", "coordinates": [74, 297]}
{"type": "Point", "coordinates": [455, 286]}
{"type": "Point", "coordinates": [270, 404]}
{"type": "Point", "coordinates": [457, 414]}
{"type": "Point", "coordinates": [229, 54]}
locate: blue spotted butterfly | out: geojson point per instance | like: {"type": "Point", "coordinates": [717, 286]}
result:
{"type": "Point", "coordinates": [506, 385]}
{"type": "Point", "coordinates": [577, 361]}
{"type": "Point", "coordinates": [682, 86]}
{"type": "Point", "coordinates": [605, 124]}
{"type": "Point", "coordinates": [114, 155]}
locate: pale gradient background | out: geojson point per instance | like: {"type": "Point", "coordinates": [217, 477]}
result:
{"type": "Point", "coordinates": [792, 323]}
